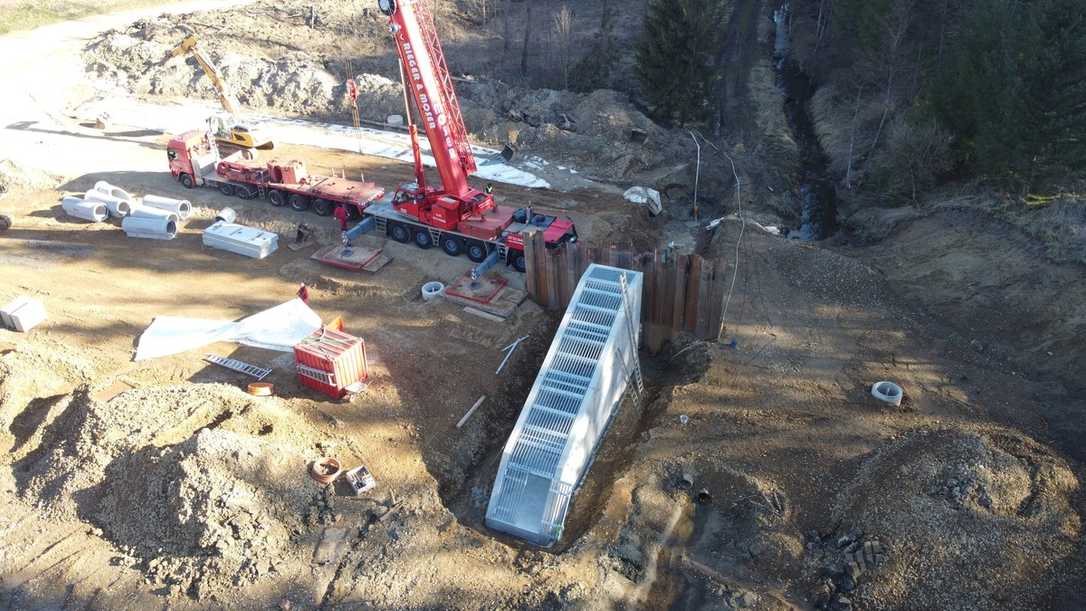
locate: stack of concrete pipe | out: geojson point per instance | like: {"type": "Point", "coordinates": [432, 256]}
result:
{"type": "Point", "coordinates": [154, 217]}
{"type": "Point", "coordinates": [85, 209]}
{"type": "Point", "coordinates": [116, 199]}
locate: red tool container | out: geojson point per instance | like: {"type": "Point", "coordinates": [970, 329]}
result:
{"type": "Point", "coordinates": [330, 361]}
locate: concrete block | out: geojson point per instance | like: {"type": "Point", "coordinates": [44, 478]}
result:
{"type": "Point", "coordinates": [28, 316]}
{"type": "Point", "coordinates": [5, 312]}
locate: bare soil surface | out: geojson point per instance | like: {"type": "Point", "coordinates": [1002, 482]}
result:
{"type": "Point", "coordinates": [756, 473]}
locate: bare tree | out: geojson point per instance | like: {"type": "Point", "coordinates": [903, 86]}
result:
{"type": "Point", "coordinates": [895, 26]}
{"type": "Point", "coordinates": [563, 32]}
{"type": "Point", "coordinates": [507, 11]}
{"type": "Point", "coordinates": [479, 9]}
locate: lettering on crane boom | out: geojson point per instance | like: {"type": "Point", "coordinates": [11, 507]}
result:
{"type": "Point", "coordinates": [432, 112]}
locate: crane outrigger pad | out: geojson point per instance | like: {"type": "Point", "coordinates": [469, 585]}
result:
{"type": "Point", "coordinates": [353, 258]}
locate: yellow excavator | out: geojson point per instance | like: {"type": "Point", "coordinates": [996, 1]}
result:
{"type": "Point", "coordinates": [225, 127]}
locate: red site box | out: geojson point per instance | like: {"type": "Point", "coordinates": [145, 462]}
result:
{"type": "Point", "coordinates": [330, 361]}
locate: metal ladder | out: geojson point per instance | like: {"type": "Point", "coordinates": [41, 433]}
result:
{"type": "Point", "coordinates": [638, 381]}
{"type": "Point", "coordinates": [240, 366]}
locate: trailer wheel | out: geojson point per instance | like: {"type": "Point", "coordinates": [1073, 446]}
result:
{"type": "Point", "coordinates": [299, 202]}
{"type": "Point", "coordinates": [5, 222]}
{"type": "Point", "coordinates": [452, 245]}
{"type": "Point", "coordinates": [519, 264]}
{"type": "Point", "coordinates": [227, 189]}
{"type": "Point", "coordinates": [399, 233]}
{"type": "Point", "coordinates": [186, 180]}
{"type": "Point", "coordinates": [423, 239]}
{"type": "Point", "coordinates": [277, 198]}
{"type": "Point", "coordinates": [477, 252]}
{"type": "Point", "coordinates": [246, 192]}
{"type": "Point", "coordinates": [323, 207]}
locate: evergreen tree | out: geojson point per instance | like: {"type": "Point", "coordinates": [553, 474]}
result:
{"type": "Point", "coordinates": [675, 56]}
{"type": "Point", "coordinates": [1014, 87]}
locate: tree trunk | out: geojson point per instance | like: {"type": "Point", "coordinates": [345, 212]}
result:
{"type": "Point", "coordinates": [852, 140]}
{"type": "Point", "coordinates": [508, 27]}
{"type": "Point", "coordinates": [527, 37]}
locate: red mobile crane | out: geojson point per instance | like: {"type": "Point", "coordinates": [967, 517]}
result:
{"type": "Point", "coordinates": [455, 215]}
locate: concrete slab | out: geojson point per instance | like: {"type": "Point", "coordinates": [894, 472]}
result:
{"type": "Point", "coordinates": [354, 258]}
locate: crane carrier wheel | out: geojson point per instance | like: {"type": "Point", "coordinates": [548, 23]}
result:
{"type": "Point", "coordinates": [387, 6]}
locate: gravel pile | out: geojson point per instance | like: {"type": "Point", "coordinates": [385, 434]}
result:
{"type": "Point", "coordinates": [964, 520]}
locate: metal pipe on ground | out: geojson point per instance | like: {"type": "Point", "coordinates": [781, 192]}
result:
{"type": "Point", "coordinates": [158, 228]}
{"type": "Point", "coordinates": [88, 211]}
{"type": "Point", "coordinates": [118, 207]}
{"type": "Point", "coordinates": [181, 207]}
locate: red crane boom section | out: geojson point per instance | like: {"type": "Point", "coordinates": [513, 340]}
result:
{"type": "Point", "coordinates": [427, 77]}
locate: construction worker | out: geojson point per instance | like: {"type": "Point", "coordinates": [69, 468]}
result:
{"type": "Point", "coordinates": [303, 293]}
{"type": "Point", "coordinates": [341, 216]}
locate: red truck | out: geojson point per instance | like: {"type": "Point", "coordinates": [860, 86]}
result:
{"type": "Point", "coordinates": [195, 161]}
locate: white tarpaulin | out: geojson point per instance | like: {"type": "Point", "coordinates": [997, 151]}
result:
{"type": "Point", "coordinates": [278, 328]}
{"type": "Point", "coordinates": [646, 197]}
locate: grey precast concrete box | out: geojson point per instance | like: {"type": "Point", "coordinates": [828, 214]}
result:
{"type": "Point", "coordinates": [580, 385]}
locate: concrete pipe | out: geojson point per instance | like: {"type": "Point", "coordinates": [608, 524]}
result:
{"type": "Point", "coordinates": [112, 190]}
{"type": "Point", "coordinates": [88, 211]}
{"type": "Point", "coordinates": [144, 212]}
{"type": "Point", "coordinates": [181, 207]}
{"type": "Point", "coordinates": [118, 207]}
{"type": "Point", "coordinates": [153, 228]}
{"type": "Point", "coordinates": [226, 215]}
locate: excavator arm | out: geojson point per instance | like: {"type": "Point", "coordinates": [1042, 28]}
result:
{"type": "Point", "coordinates": [188, 45]}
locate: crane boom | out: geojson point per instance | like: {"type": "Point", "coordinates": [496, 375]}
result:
{"type": "Point", "coordinates": [427, 77]}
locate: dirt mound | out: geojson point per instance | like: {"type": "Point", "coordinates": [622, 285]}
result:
{"type": "Point", "coordinates": [213, 512]}
{"type": "Point", "coordinates": [28, 374]}
{"type": "Point", "coordinates": [80, 443]}
{"type": "Point", "coordinates": [14, 177]}
{"type": "Point", "coordinates": [970, 520]}
{"type": "Point", "coordinates": [136, 57]}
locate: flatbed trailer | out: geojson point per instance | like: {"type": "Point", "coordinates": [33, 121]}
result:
{"type": "Point", "coordinates": [195, 162]}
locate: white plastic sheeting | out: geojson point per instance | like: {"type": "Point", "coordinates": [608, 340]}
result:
{"type": "Point", "coordinates": [645, 196]}
{"type": "Point", "coordinates": [580, 385]}
{"type": "Point", "coordinates": [278, 328]}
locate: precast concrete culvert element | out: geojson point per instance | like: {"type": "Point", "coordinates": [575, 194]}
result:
{"type": "Point", "coordinates": [181, 207]}
{"type": "Point", "coordinates": [154, 213]}
{"type": "Point", "coordinates": [82, 209]}
{"type": "Point", "coordinates": [118, 207]}
{"type": "Point", "coordinates": [160, 228]}
{"type": "Point", "coordinates": [587, 370]}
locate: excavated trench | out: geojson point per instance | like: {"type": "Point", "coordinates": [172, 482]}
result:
{"type": "Point", "coordinates": [467, 498]}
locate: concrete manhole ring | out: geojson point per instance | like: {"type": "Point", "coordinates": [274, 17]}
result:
{"type": "Point", "coordinates": [431, 290]}
{"type": "Point", "coordinates": [887, 392]}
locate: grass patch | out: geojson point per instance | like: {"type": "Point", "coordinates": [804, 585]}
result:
{"type": "Point", "coordinates": [18, 15]}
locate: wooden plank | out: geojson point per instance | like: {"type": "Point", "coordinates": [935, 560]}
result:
{"type": "Point", "coordinates": [553, 276]}
{"type": "Point", "coordinates": [531, 265]}
{"type": "Point", "coordinates": [678, 309]}
{"type": "Point", "coordinates": [482, 314]}
{"type": "Point", "coordinates": [572, 277]}
{"type": "Point", "coordinates": [716, 302]}
{"type": "Point", "coordinates": [690, 316]}
{"type": "Point", "coordinates": [705, 278]}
